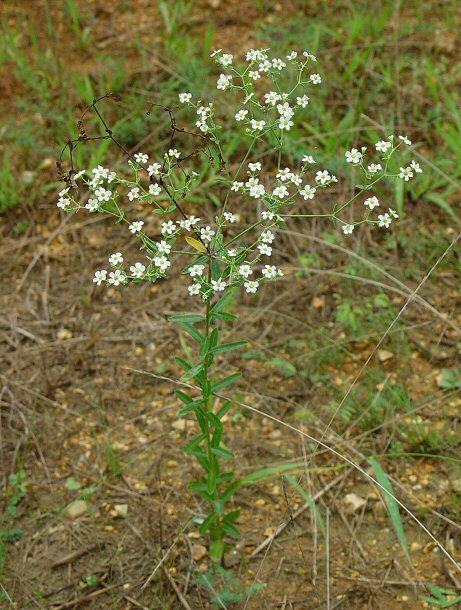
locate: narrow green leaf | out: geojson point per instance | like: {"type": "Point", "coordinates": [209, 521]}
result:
{"type": "Point", "coordinates": [392, 505]}
{"type": "Point", "coordinates": [223, 453]}
{"type": "Point", "coordinates": [225, 382]}
{"type": "Point", "coordinates": [228, 347]}
{"type": "Point", "coordinates": [192, 372]}
{"type": "Point", "coordinates": [184, 397]}
{"type": "Point", "coordinates": [187, 317]}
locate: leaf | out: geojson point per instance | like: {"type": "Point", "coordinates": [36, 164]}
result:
{"type": "Point", "coordinates": [192, 372]}
{"type": "Point", "coordinates": [225, 382]}
{"type": "Point", "coordinates": [187, 317]}
{"type": "Point", "coordinates": [196, 244]}
{"type": "Point", "coordinates": [228, 347]}
{"type": "Point", "coordinates": [392, 505]}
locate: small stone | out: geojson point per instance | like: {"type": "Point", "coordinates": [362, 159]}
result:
{"type": "Point", "coordinates": [354, 502]}
{"type": "Point", "coordinates": [121, 510]}
{"type": "Point", "coordinates": [384, 355]}
{"type": "Point", "coordinates": [64, 334]}
{"type": "Point", "coordinates": [180, 425]}
{"type": "Point", "coordinates": [75, 510]}
{"type": "Point", "coordinates": [199, 552]}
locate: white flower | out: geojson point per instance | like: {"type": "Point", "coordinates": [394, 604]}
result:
{"type": "Point", "coordinates": [302, 101]}
{"type": "Point", "coordinates": [308, 159]}
{"type": "Point", "coordinates": [353, 156]}
{"type": "Point", "coordinates": [248, 98]}
{"type": "Point", "coordinates": [251, 286]}
{"type": "Point", "coordinates": [236, 186]}
{"type": "Point", "coordinates": [194, 289]}
{"type": "Point", "coordinates": [269, 271]}
{"type": "Point", "coordinates": [80, 174]}
{"type": "Point", "coordinates": [100, 276]}
{"type": "Point", "coordinates": [285, 110]}
{"type": "Point", "coordinates": [64, 192]}
{"type": "Point", "coordinates": [265, 66]}
{"type": "Point", "coordinates": [371, 202]}
{"type": "Point", "coordinates": [347, 229]}
{"type": "Point", "coordinates": [102, 194]}
{"type": "Point", "coordinates": [141, 158]}
{"type": "Point", "coordinates": [154, 189]}
{"type": "Point", "coordinates": [218, 285]}
{"type": "Point", "coordinates": [168, 227]}
{"type": "Point", "coordinates": [374, 167]}
{"type": "Point", "coordinates": [285, 123]}
{"type": "Point", "coordinates": [296, 179]}
{"type": "Point", "coordinates": [226, 59]}
{"type": "Point", "coordinates": [154, 169]}
{"type": "Point", "coordinates": [308, 192]}
{"type": "Point", "coordinates": [100, 172]}
{"type": "Point", "coordinates": [257, 191]}
{"type": "Point", "coordinates": [136, 226]}
{"type": "Point", "coordinates": [292, 55]}
{"type": "Point", "coordinates": [393, 213]}
{"type": "Point", "coordinates": [315, 79]}
{"type": "Point", "coordinates": [384, 220]}
{"type": "Point", "coordinates": [110, 177]}
{"type": "Point", "coordinates": [272, 98]}
{"type": "Point", "coordinates": [284, 174]}
{"type": "Point", "coordinates": [267, 215]}
{"type": "Point", "coordinates": [173, 152]}
{"type": "Point", "coordinates": [241, 114]}
{"type": "Point", "coordinates": [252, 181]}
{"type": "Point", "coordinates": [323, 177]}
{"type": "Point", "coordinates": [416, 167]}
{"type": "Point", "coordinates": [163, 247]}
{"type": "Point", "coordinates": [213, 53]}
{"type": "Point", "coordinates": [207, 233]}
{"type": "Point", "coordinates": [162, 262]}
{"type": "Point", "coordinates": [254, 74]}
{"type": "Point", "coordinates": [116, 277]}
{"type": "Point", "coordinates": [280, 191]}
{"type": "Point", "coordinates": [184, 98]}
{"type": "Point", "coordinates": [405, 140]}
{"type": "Point", "coordinates": [116, 259]}
{"type": "Point", "coordinates": [196, 270]}
{"type": "Point", "coordinates": [278, 64]}
{"type": "Point", "coordinates": [63, 202]}
{"type": "Point", "coordinates": [267, 237]}
{"type": "Point", "coordinates": [254, 167]}
{"type": "Point", "coordinates": [309, 56]}
{"type": "Point", "coordinates": [255, 55]}
{"type": "Point", "coordinates": [406, 173]}
{"type": "Point", "coordinates": [383, 146]}
{"type": "Point", "coordinates": [230, 217]}
{"type": "Point", "coordinates": [92, 205]}
{"type": "Point", "coordinates": [133, 194]}
{"type": "Point", "coordinates": [232, 253]}
{"type": "Point", "coordinates": [203, 111]}
{"type": "Point", "coordinates": [265, 249]}
{"type": "Point", "coordinates": [257, 125]}
{"type": "Point", "coordinates": [137, 269]}
{"type": "Point", "coordinates": [223, 82]}
{"type": "Point", "coordinates": [245, 270]}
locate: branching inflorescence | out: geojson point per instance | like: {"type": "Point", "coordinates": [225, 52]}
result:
{"type": "Point", "coordinates": [223, 255]}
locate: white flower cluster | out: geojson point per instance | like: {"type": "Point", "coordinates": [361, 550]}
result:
{"type": "Point", "coordinates": [221, 256]}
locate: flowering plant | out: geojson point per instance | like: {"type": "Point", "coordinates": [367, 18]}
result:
{"type": "Point", "coordinates": [225, 254]}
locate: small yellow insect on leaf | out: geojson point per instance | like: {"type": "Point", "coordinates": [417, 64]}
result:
{"type": "Point", "coordinates": [196, 244]}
